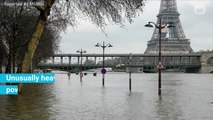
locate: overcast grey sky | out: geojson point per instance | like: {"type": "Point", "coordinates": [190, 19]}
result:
{"type": "Point", "coordinates": [196, 19]}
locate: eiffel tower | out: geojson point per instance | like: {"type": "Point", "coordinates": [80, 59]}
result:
{"type": "Point", "coordinates": [173, 39]}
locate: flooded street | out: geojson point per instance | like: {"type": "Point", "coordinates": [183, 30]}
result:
{"type": "Point", "coordinates": [184, 97]}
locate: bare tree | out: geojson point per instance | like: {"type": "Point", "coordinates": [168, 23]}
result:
{"type": "Point", "coordinates": [47, 46]}
{"type": "Point", "coordinates": [98, 12]}
{"type": "Point", "coordinates": [67, 12]}
{"type": "Point", "coordinates": [16, 26]}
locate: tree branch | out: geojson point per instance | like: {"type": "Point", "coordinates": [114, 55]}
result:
{"type": "Point", "coordinates": [40, 8]}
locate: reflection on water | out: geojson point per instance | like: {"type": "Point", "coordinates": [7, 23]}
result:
{"type": "Point", "coordinates": [184, 97]}
{"type": "Point", "coordinates": [34, 100]}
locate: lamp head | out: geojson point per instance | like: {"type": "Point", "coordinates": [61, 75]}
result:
{"type": "Point", "coordinates": [97, 45]}
{"type": "Point", "coordinates": [148, 25]}
{"type": "Point", "coordinates": [110, 45]}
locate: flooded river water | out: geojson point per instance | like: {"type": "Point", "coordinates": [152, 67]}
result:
{"type": "Point", "coordinates": [184, 97]}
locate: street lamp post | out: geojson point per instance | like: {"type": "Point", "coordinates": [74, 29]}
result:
{"type": "Point", "coordinates": [159, 66]}
{"type": "Point", "coordinates": [81, 52]}
{"type": "Point", "coordinates": [103, 46]}
{"type": "Point", "coordinates": [130, 71]}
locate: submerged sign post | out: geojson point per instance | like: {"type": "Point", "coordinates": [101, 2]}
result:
{"type": "Point", "coordinates": [22, 78]}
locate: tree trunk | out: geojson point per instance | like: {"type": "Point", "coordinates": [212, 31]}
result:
{"type": "Point", "coordinates": [9, 62]}
{"type": "Point", "coordinates": [33, 43]}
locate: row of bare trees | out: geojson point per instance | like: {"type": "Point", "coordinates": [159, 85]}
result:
{"type": "Point", "coordinates": [53, 16]}
{"type": "Point", "coordinates": [16, 27]}
{"type": "Point", "coordinates": [27, 23]}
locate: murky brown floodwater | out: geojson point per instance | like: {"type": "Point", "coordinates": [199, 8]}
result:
{"type": "Point", "coordinates": [184, 97]}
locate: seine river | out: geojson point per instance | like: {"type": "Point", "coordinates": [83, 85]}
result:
{"type": "Point", "coordinates": [184, 97]}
